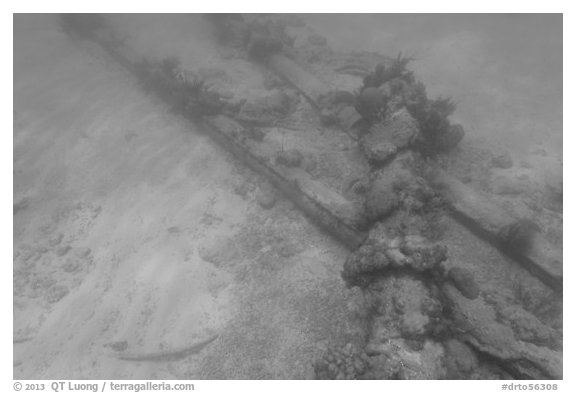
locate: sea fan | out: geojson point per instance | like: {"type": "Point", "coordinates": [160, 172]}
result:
{"type": "Point", "coordinates": [383, 74]}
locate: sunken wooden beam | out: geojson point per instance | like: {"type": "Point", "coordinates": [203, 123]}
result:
{"type": "Point", "coordinates": [476, 321]}
{"type": "Point", "coordinates": [480, 215]}
{"type": "Point", "coordinates": [486, 219]}
{"type": "Point", "coordinates": [347, 211]}
{"type": "Point", "coordinates": [310, 86]}
{"type": "Point", "coordinates": [313, 209]}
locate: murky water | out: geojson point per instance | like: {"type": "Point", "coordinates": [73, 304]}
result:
{"type": "Point", "coordinates": [505, 71]}
{"type": "Point", "coordinates": [133, 231]}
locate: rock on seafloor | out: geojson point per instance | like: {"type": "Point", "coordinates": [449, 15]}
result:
{"type": "Point", "coordinates": [463, 279]}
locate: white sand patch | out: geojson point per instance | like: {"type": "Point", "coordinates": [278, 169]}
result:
{"type": "Point", "coordinates": [132, 194]}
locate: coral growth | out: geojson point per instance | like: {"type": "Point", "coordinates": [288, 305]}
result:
{"type": "Point", "coordinates": [371, 104]}
{"type": "Point", "coordinates": [382, 255]}
{"type": "Point", "coordinates": [399, 186]}
{"type": "Point", "coordinates": [438, 134]}
{"type": "Point", "coordinates": [383, 73]}
{"type": "Point", "coordinates": [407, 312]}
{"type": "Point", "coordinates": [338, 109]}
{"type": "Point", "coordinates": [386, 138]}
{"type": "Point", "coordinates": [346, 362]}
{"type": "Point", "coordinates": [390, 88]}
{"type": "Point", "coordinates": [186, 92]}
{"type": "Point", "coordinates": [200, 99]}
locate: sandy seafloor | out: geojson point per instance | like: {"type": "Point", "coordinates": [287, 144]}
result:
{"type": "Point", "coordinates": [134, 232]}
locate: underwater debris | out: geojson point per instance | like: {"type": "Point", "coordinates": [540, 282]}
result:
{"type": "Point", "coordinates": [492, 222]}
{"type": "Point", "coordinates": [400, 92]}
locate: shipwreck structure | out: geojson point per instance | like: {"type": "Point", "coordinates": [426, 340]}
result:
{"type": "Point", "coordinates": [437, 311]}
